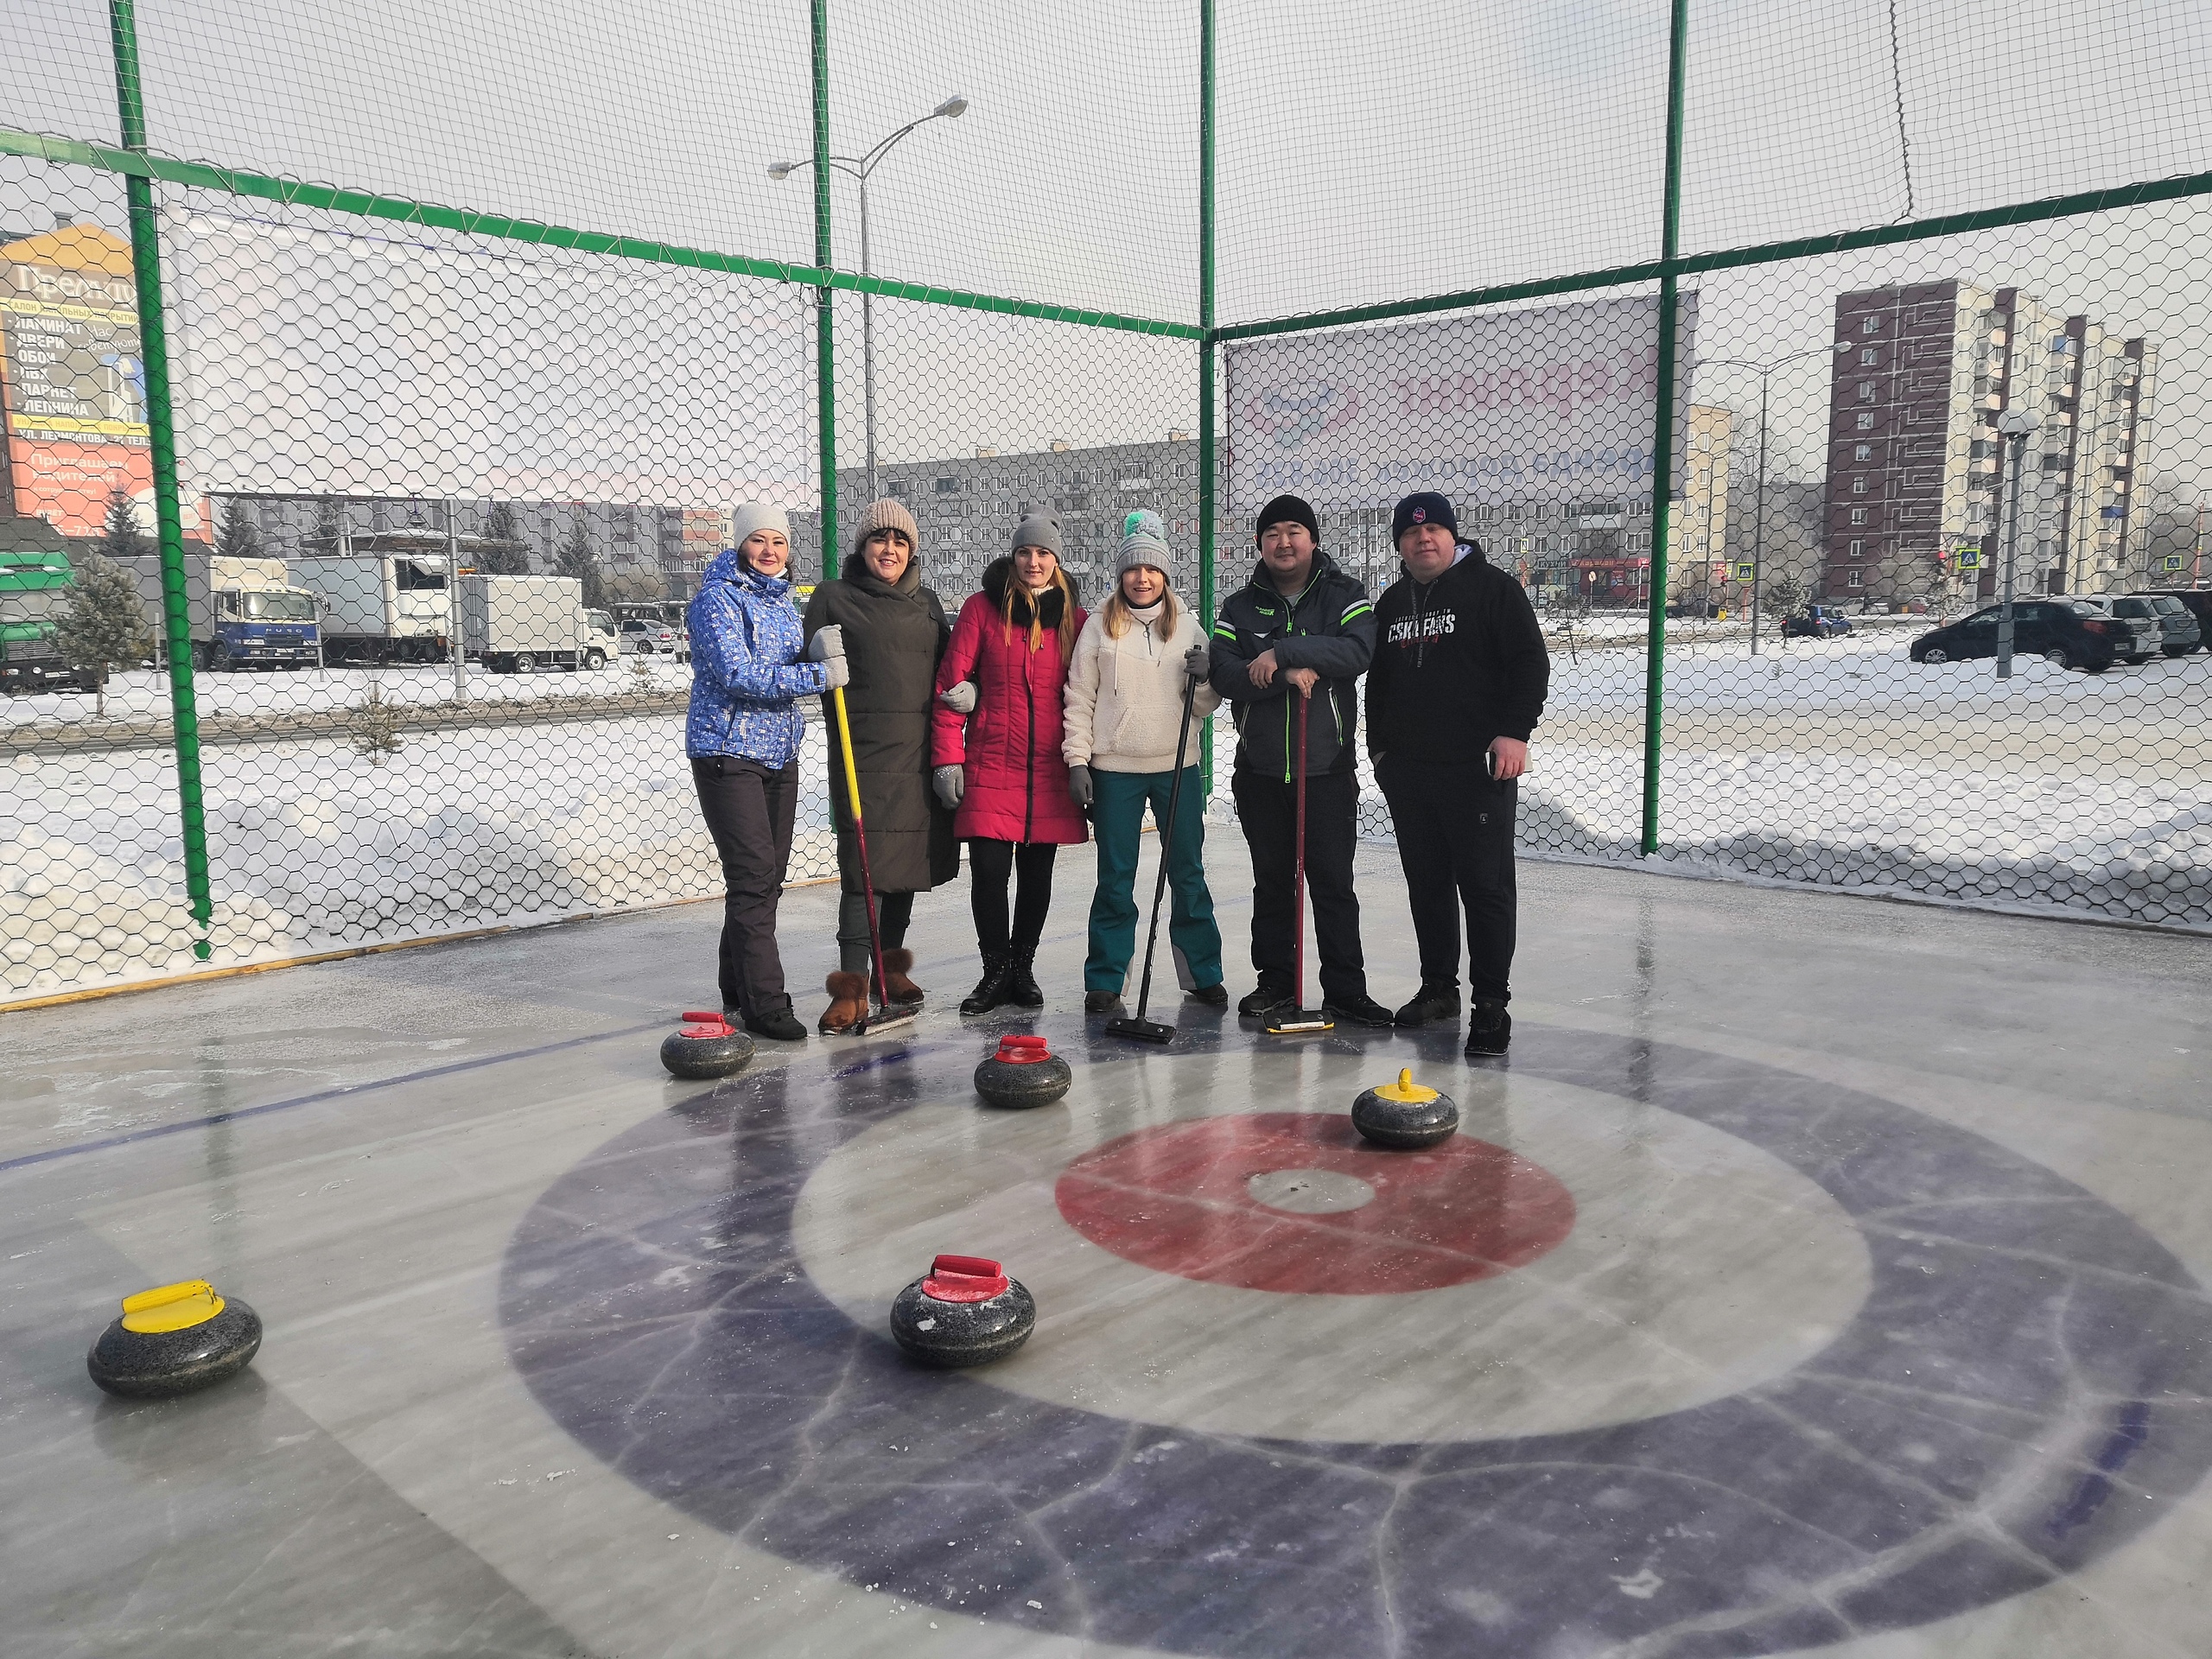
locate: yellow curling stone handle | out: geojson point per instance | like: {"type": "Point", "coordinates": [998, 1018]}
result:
{"type": "Point", "coordinates": [1405, 1089]}
{"type": "Point", "coordinates": [171, 1307]}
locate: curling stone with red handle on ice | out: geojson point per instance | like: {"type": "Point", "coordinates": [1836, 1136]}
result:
{"type": "Point", "coordinates": [706, 1046]}
{"type": "Point", "coordinates": [964, 1312]}
{"type": "Point", "coordinates": [1023, 1072]}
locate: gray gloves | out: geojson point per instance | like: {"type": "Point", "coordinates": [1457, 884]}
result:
{"type": "Point", "coordinates": [1079, 786]}
{"type": "Point", "coordinates": [839, 672]}
{"type": "Point", "coordinates": [828, 642]}
{"type": "Point", "coordinates": [960, 698]}
{"type": "Point", "coordinates": [1197, 660]}
{"type": "Point", "coordinates": [948, 781]}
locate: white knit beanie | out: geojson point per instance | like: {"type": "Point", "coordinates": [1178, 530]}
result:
{"type": "Point", "coordinates": [749, 516]}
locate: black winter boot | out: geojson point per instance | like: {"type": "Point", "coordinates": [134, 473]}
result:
{"type": "Point", "coordinates": [1021, 988]}
{"type": "Point", "coordinates": [993, 988]}
{"type": "Point", "coordinates": [1489, 1029]}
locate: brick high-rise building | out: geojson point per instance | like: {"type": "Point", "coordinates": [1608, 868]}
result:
{"type": "Point", "coordinates": [1915, 468]}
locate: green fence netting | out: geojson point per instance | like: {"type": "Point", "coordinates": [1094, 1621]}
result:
{"type": "Point", "coordinates": [318, 319]}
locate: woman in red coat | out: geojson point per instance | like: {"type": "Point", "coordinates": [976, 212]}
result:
{"type": "Point", "coordinates": [996, 749]}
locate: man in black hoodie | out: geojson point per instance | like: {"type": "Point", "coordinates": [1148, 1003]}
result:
{"type": "Point", "coordinates": [1301, 632]}
{"type": "Point", "coordinates": [1458, 683]}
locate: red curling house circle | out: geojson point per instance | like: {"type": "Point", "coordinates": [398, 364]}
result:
{"type": "Point", "coordinates": [1176, 1198]}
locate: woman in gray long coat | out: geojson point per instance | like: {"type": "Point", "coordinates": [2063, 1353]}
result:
{"type": "Point", "coordinates": [891, 630]}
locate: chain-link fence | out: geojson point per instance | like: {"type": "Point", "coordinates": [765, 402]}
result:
{"type": "Point", "coordinates": [348, 536]}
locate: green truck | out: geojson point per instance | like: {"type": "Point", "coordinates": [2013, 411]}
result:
{"type": "Point", "coordinates": [35, 577]}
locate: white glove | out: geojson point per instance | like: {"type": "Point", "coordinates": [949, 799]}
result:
{"type": "Point", "coordinates": [948, 781]}
{"type": "Point", "coordinates": [960, 698]}
{"type": "Point", "coordinates": [827, 643]}
{"type": "Point", "coordinates": [839, 673]}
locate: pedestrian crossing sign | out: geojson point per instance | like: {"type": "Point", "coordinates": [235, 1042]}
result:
{"type": "Point", "coordinates": [2176, 561]}
{"type": "Point", "coordinates": [1969, 556]}
{"type": "Point", "coordinates": [1746, 570]}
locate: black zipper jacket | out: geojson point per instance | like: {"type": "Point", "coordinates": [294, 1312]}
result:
{"type": "Point", "coordinates": [1458, 662]}
{"type": "Point", "coordinates": [1329, 627]}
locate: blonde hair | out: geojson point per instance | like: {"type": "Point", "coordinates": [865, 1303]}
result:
{"type": "Point", "coordinates": [1118, 616]}
{"type": "Point", "coordinates": [1066, 627]}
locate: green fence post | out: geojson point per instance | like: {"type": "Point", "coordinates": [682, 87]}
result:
{"type": "Point", "coordinates": [1662, 437]}
{"type": "Point", "coordinates": [161, 427]}
{"type": "Point", "coordinates": [1207, 459]}
{"type": "Point", "coordinates": [826, 351]}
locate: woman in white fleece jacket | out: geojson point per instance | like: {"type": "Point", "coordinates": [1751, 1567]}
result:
{"type": "Point", "coordinates": [1124, 706]}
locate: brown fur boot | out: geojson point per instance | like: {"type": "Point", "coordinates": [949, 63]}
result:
{"type": "Point", "coordinates": [847, 1004]}
{"type": "Point", "coordinates": [900, 992]}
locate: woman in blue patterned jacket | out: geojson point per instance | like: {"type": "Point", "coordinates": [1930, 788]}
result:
{"type": "Point", "coordinates": [748, 672]}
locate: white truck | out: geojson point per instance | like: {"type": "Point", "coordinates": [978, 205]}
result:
{"type": "Point", "coordinates": [517, 624]}
{"type": "Point", "coordinates": [243, 613]}
{"type": "Point", "coordinates": [382, 607]}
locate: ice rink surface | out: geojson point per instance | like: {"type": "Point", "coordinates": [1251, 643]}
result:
{"type": "Point", "coordinates": [1817, 1275]}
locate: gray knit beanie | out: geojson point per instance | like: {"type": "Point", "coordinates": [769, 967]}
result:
{"type": "Point", "coordinates": [887, 514]}
{"type": "Point", "coordinates": [749, 516]}
{"type": "Point", "coordinates": [1039, 529]}
{"type": "Point", "coordinates": [1144, 542]}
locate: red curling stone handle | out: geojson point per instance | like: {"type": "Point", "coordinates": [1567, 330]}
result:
{"type": "Point", "coordinates": [1022, 1051]}
{"type": "Point", "coordinates": [964, 1279]}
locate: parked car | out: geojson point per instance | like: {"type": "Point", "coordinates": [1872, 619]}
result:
{"type": "Point", "coordinates": [2197, 602]}
{"type": "Point", "coordinates": [648, 635]}
{"type": "Point", "coordinates": [2067, 632]}
{"type": "Point", "coordinates": [2182, 631]}
{"type": "Point", "coordinates": [2144, 639]}
{"type": "Point", "coordinates": [1816, 622]}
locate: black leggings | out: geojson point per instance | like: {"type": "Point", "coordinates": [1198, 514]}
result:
{"type": "Point", "coordinates": [990, 863]}
{"type": "Point", "coordinates": [894, 911]}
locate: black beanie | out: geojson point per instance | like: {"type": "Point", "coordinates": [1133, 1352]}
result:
{"type": "Point", "coordinates": [1427, 508]}
{"type": "Point", "coordinates": [1287, 510]}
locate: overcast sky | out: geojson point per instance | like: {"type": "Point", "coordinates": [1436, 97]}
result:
{"type": "Point", "coordinates": [1367, 151]}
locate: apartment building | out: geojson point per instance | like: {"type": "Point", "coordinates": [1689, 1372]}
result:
{"type": "Point", "coordinates": [1916, 469]}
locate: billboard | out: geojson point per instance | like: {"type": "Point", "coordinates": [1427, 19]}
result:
{"type": "Point", "coordinates": [76, 389]}
{"type": "Point", "coordinates": [1554, 404]}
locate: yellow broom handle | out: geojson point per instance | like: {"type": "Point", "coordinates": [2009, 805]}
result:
{"type": "Point", "coordinates": [845, 741]}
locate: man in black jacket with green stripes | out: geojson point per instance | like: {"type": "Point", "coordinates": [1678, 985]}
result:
{"type": "Point", "coordinates": [1301, 631]}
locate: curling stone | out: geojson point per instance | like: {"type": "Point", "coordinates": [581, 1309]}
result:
{"type": "Point", "coordinates": [966, 1312]}
{"type": "Point", "coordinates": [174, 1340]}
{"type": "Point", "coordinates": [1404, 1117]}
{"type": "Point", "coordinates": [705, 1045]}
{"type": "Point", "coordinates": [1024, 1072]}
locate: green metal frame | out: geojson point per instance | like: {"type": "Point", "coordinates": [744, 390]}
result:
{"type": "Point", "coordinates": [1209, 462]}
{"type": "Point", "coordinates": [168, 518]}
{"type": "Point", "coordinates": [73, 152]}
{"type": "Point", "coordinates": [141, 169]}
{"type": "Point", "coordinates": [825, 348]}
{"type": "Point", "coordinates": [1662, 429]}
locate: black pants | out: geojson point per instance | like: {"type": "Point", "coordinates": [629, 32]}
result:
{"type": "Point", "coordinates": [894, 911]}
{"type": "Point", "coordinates": [991, 864]}
{"type": "Point", "coordinates": [749, 808]}
{"type": "Point", "coordinates": [1455, 838]}
{"type": "Point", "coordinates": [1267, 808]}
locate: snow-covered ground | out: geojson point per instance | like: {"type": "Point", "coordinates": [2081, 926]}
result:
{"type": "Point", "coordinates": [1838, 763]}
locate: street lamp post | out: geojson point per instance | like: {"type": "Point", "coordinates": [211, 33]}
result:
{"type": "Point", "coordinates": [1759, 495]}
{"type": "Point", "coordinates": [2015, 426]}
{"type": "Point", "coordinates": [859, 166]}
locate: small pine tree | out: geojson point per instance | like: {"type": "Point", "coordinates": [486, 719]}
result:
{"type": "Point", "coordinates": [104, 626]}
{"type": "Point", "coordinates": [121, 537]}
{"type": "Point", "coordinates": [239, 537]}
{"type": "Point", "coordinates": [373, 725]}
{"type": "Point", "coordinates": [503, 551]}
{"type": "Point", "coordinates": [578, 559]}
{"type": "Point", "coordinates": [1784, 594]}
